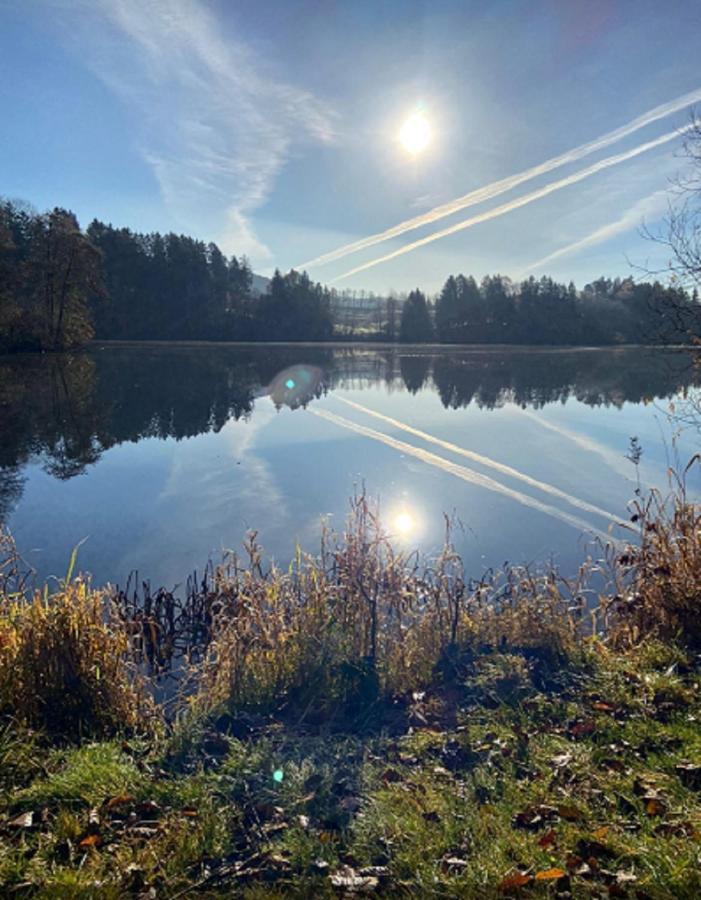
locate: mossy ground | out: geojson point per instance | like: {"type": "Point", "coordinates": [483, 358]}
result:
{"type": "Point", "coordinates": [508, 779]}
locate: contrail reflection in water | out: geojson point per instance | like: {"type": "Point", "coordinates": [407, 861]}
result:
{"type": "Point", "coordinates": [486, 461]}
{"type": "Point", "coordinates": [462, 472]}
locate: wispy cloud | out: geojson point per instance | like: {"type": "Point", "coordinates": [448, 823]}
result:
{"type": "Point", "coordinates": [632, 218]}
{"type": "Point", "coordinates": [517, 203]}
{"type": "Point", "coordinates": [215, 128]}
{"type": "Point", "coordinates": [496, 188]}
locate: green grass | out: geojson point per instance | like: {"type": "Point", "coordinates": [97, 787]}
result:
{"type": "Point", "coordinates": [589, 775]}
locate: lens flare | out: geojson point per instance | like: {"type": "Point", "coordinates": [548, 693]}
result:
{"type": "Point", "coordinates": [296, 386]}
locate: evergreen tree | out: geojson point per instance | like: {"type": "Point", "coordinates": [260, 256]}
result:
{"type": "Point", "coordinates": [416, 325]}
{"type": "Point", "coordinates": [448, 312]}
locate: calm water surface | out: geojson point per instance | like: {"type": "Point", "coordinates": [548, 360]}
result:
{"type": "Point", "coordinates": [159, 458]}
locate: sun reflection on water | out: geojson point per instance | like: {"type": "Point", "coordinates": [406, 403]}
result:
{"type": "Point", "coordinates": [404, 521]}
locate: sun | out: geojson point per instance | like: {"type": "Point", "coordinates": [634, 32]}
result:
{"type": "Point", "coordinates": [415, 133]}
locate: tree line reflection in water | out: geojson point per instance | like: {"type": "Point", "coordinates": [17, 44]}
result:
{"type": "Point", "coordinates": [64, 410]}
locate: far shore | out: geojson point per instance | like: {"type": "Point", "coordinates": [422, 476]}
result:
{"type": "Point", "coordinates": [389, 345]}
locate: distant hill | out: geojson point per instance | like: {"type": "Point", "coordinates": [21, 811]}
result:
{"type": "Point", "coordinates": [259, 283]}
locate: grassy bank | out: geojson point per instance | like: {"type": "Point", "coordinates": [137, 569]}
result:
{"type": "Point", "coordinates": [364, 722]}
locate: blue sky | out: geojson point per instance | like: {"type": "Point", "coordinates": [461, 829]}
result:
{"type": "Point", "coordinates": [272, 127]}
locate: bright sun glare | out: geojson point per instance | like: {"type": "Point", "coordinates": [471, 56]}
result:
{"type": "Point", "coordinates": [404, 523]}
{"type": "Point", "coordinates": [415, 133]}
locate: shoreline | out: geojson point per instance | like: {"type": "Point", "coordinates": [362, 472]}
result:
{"type": "Point", "coordinates": [355, 345]}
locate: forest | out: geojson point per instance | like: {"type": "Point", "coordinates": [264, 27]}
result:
{"type": "Point", "coordinates": [62, 286]}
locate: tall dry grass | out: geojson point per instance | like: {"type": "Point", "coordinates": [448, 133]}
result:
{"type": "Point", "coordinates": [658, 576]}
{"type": "Point", "coordinates": [65, 664]}
{"type": "Point", "coordinates": [364, 620]}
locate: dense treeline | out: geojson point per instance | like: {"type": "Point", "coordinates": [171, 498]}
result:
{"type": "Point", "coordinates": [541, 311]}
{"type": "Point", "coordinates": [61, 286]}
{"type": "Point", "coordinates": [172, 287]}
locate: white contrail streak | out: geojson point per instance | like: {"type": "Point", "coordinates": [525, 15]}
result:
{"type": "Point", "coordinates": [519, 201]}
{"type": "Point", "coordinates": [462, 472]}
{"type": "Point", "coordinates": [486, 461]}
{"type": "Point", "coordinates": [651, 205]}
{"type": "Point", "coordinates": [495, 188]}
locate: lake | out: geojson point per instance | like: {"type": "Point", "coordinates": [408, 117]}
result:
{"type": "Point", "coordinates": [158, 458]}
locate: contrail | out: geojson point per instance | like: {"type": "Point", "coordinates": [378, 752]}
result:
{"type": "Point", "coordinates": [462, 472]}
{"type": "Point", "coordinates": [486, 461]}
{"type": "Point", "coordinates": [630, 219]}
{"type": "Point", "coordinates": [519, 201]}
{"type": "Point", "coordinates": [495, 188]}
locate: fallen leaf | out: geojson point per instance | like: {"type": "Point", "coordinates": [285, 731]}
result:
{"type": "Point", "coordinates": [601, 833]}
{"type": "Point", "coordinates": [550, 875]}
{"type": "Point", "coordinates": [189, 812]}
{"type": "Point", "coordinates": [23, 820]}
{"type": "Point", "coordinates": [348, 879]}
{"type": "Point", "coordinates": [328, 837]}
{"type": "Point", "coordinates": [454, 862]}
{"type": "Point", "coordinates": [548, 839]}
{"type": "Point", "coordinates": [569, 813]}
{"type": "Point", "coordinates": [271, 828]}
{"type": "Point", "coordinates": [90, 840]}
{"type": "Point", "coordinates": [581, 729]}
{"type": "Point", "coordinates": [561, 760]}
{"type": "Point", "coordinates": [642, 785]}
{"type": "Point", "coordinates": [143, 831]}
{"type": "Point", "coordinates": [655, 806]}
{"type": "Point", "coordinates": [529, 818]}
{"type": "Point", "coordinates": [375, 871]}
{"type": "Point", "coordinates": [602, 706]}
{"type": "Point", "coordinates": [515, 881]}
{"type": "Point", "coordinates": [689, 774]}
{"type": "Point", "coordinates": [676, 829]}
